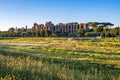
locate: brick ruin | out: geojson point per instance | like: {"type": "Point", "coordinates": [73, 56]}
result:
{"type": "Point", "coordinates": [68, 27]}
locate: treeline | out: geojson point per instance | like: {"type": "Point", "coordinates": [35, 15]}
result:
{"type": "Point", "coordinates": [97, 31]}
{"type": "Point", "coordinates": [103, 32]}
{"type": "Point", "coordinates": [25, 33]}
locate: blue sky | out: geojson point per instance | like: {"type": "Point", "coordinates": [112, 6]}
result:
{"type": "Point", "coordinates": [26, 12]}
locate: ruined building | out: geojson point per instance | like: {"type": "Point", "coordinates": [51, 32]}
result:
{"type": "Point", "coordinates": [68, 27]}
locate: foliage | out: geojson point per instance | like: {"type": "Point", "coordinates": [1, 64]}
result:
{"type": "Point", "coordinates": [81, 32]}
{"type": "Point", "coordinates": [98, 29]}
{"type": "Point", "coordinates": [102, 35]}
{"type": "Point", "coordinates": [58, 33]}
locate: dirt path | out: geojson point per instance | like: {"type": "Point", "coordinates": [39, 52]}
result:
{"type": "Point", "coordinates": [21, 44]}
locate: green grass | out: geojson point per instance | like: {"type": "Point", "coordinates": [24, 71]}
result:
{"type": "Point", "coordinates": [60, 59]}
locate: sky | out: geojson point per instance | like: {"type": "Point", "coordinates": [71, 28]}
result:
{"type": "Point", "coordinates": [19, 13]}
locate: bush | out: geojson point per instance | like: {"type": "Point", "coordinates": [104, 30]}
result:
{"type": "Point", "coordinates": [102, 34]}
{"type": "Point", "coordinates": [107, 34]}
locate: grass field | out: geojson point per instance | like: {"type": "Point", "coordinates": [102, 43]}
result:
{"type": "Point", "coordinates": [60, 59]}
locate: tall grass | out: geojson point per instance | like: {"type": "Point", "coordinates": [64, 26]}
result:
{"type": "Point", "coordinates": [61, 59]}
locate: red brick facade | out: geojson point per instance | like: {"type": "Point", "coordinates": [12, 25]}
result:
{"type": "Point", "coordinates": [68, 27]}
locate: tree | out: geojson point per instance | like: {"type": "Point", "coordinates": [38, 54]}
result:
{"type": "Point", "coordinates": [72, 35]}
{"type": "Point", "coordinates": [37, 33]}
{"type": "Point", "coordinates": [107, 24]}
{"type": "Point", "coordinates": [58, 33]}
{"type": "Point", "coordinates": [35, 24]}
{"type": "Point", "coordinates": [114, 32]}
{"type": "Point", "coordinates": [65, 34]}
{"type": "Point", "coordinates": [119, 30]}
{"type": "Point", "coordinates": [106, 30]}
{"type": "Point", "coordinates": [48, 33]}
{"type": "Point", "coordinates": [81, 32]}
{"type": "Point", "coordinates": [11, 32]}
{"type": "Point", "coordinates": [42, 33]}
{"type": "Point", "coordinates": [86, 34]}
{"type": "Point", "coordinates": [102, 34]}
{"type": "Point", "coordinates": [33, 33]}
{"type": "Point", "coordinates": [93, 24]}
{"type": "Point", "coordinates": [23, 29]}
{"type": "Point", "coordinates": [107, 34]}
{"type": "Point", "coordinates": [24, 34]}
{"type": "Point", "coordinates": [0, 34]}
{"type": "Point", "coordinates": [5, 34]}
{"type": "Point", "coordinates": [19, 31]}
{"type": "Point", "coordinates": [29, 33]}
{"type": "Point", "coordinates": [103, 24]}
{"type": "Point", "coordinates": [98, 29]}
